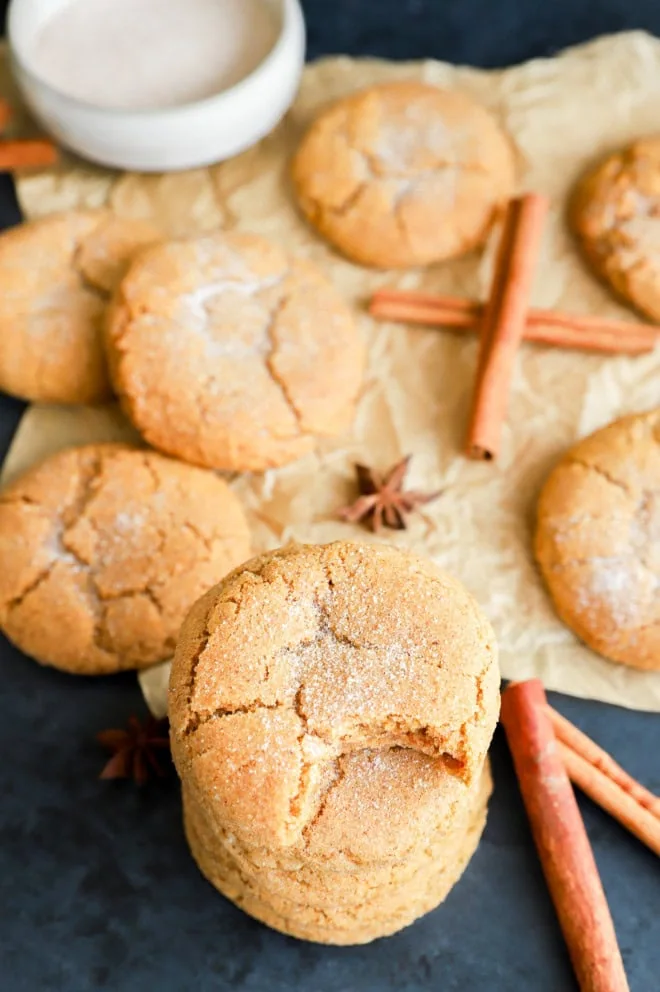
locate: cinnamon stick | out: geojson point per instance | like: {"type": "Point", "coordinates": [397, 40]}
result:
{"type": "Point", "coordinates": [568, 734]}
{"type": "Point", "coordinates": [582, 332]}
{"type": "Point", "coordinates": [27, 154]}
{"type": "Point", "coordinates": [536, 315]}
{"type": "Point", "coordinates": [504, 322]}
{"type": "Point", "coordinates": [561, 840]}
{"type": "Point", "coordinates": [611, 797]}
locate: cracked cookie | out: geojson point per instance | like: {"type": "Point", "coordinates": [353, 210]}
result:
{"type": "Point", "coordinates": [404, 174]}
{"type": "Point", "coordinates": [56, 276]}
{"type": "Point", "coordinates": [318, 696]}
{"type": "Point", "coordinates": [342, 908]}
{"type": "Point", "coordinates": [367, 785]}
{"type": "Point", "coordinates": [103, 549]}
{"type": "Point", "coordinates": [598, 540]}
{"type": "Point", "coordinates": [615, 212]}
{"type": "Point", "coordinates": [228, 353]}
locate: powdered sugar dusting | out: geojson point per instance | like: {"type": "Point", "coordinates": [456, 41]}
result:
{"type": "Point", "coordinates": [61, 554]}
{"type": "Point", "coordinates": [209, 312]}
{"type": "Point", "coordinates": [403, 138]}
{"type": "Point", "coordinates": [199, 299]}
{"type": "Point", "coordinates": [127, 522]}
{"type": "Point", "coordinates": [612, 586]}
{"type": "Point", "coordinates": [640, 237]}
{"type": "Point", "coordinates": [345, 685]}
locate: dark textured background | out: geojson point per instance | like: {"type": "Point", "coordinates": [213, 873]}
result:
{"type": "Point", "coordinates": [97, 890]}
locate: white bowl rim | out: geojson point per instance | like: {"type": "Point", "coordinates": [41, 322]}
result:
{"type": "Point", "coordinates": [291, 12]}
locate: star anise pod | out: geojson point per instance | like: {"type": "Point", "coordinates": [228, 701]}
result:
{"type": "Point", "coordinates": [382, 500]}
{"type": "Point", "coordinates": [136, 750]}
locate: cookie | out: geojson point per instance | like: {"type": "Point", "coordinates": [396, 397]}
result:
{"type": "Point", "coordinates": [331, 709]}
{"type": "Point", "coordinates": [103, 549]}
{"type": "Point", "coordinates": [615, 212]}
{"type": "Point", "coordinates": [368, 786]}
{"type": "Point", "coordinates": [56, 275]}
{"type": "Point", "coordinates": [310, 652]}
{"type": "Point", "coordinates": [598, 540]}
{"type": "Point", "coordinates": [373, 912]}
{"type": "Point", "coordinates": [404, 174]}
{"type": "Point", "coordinates": [228, 353]}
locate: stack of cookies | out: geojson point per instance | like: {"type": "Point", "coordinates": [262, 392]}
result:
{"type": "Point", "coordinates": [331, 708]}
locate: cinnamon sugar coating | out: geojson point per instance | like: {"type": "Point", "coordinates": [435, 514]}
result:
{"type": "Point", "coordinates": [331, 708]}
{"type": "Point", "coordinates": [103, 549]}
{"type": "Point", "coordinates": [353, 907]}
{"type": "Point", "coordinates": [598, 540]}
{"type": "Point", "coordinates": [56, 276]}
{"type": "Point", "coordinates": [228, 353]}
{"type": "Point", "coordinates": [615, 212]}
{"type": "Point", "coordinates": [404, 174]}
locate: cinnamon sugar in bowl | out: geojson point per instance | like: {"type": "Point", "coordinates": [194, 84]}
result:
{"type": "Point", "coordinates": [157, 85]}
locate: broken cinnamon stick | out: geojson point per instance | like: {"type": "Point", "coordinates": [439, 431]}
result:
{"type": "Point", "coordinates": [504, 320]}
{"type": "Point", "coordinates": [27, 154]}
{"type": "Point", "coordinates": [582, 332]}
{"type": "Point", "coordinates": [561, 840]}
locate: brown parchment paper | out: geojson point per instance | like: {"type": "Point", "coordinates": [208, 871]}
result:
{"type": "Point", "coordinates": [562, 113]}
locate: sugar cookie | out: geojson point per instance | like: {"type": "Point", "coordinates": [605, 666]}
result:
{"type": "Point", "coordinates": [598, 540]}
{"type": "Point", "coordinates": [404, 174]}
{"type": "Point", "coordinates": [230, 354]}
{"type": "Point", "coordinates": [331, 708]}
{"type": "Point", "coordinates": [56, 275]}
{"type": "Point", "coordinates": [102, 551]}
{"type": "Point", "coordinates": [615, 212]}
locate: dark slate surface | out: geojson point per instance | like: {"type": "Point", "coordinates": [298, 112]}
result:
{"type": "Point", "coordinates": [97, 890]}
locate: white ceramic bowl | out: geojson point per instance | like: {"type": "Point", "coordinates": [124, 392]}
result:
{"type": "Point", "coordinates": [182, 137]}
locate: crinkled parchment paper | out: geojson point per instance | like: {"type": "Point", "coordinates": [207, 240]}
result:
{"type": "Point", "coordinates": [562, 113]}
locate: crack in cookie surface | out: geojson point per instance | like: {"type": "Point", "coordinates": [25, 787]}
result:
{"type": "Point", "coordinates": [230, 366]}
{"type": "Point", "coordinates": [119, 570]}
{"type": "Point", "coordinates": [305, 651]}
{"type": "Point", "coordinates": [403, 174]}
